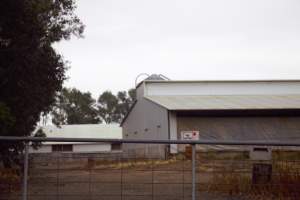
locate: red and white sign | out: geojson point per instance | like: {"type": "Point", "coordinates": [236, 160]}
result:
{"type": "Point", "coordinates": [190, 135]}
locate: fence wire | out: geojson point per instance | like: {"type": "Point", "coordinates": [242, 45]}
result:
{"type": "Point", "coordinates": [133, 176]}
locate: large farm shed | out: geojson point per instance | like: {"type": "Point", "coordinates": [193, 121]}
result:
{"type": "Point", "coordinates": [101, 131]}
{"type": "Point", "coordinates": [220, 110]}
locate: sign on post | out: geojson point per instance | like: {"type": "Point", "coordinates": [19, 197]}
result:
{"type": "Point", "coordinates": [190, 135]}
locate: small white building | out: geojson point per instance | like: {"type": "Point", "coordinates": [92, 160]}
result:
{"type": "Point", "coordinates": [101, 131]}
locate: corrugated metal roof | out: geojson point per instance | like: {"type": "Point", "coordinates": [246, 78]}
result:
{"type": "Point", "coordinates": [223, 102]}
{"type": "Point", "coordinates": [102, 131]}
{"type": "Point", "coordinates": [222, 81]}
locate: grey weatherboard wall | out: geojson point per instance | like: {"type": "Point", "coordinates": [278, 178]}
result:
{"type": "Point", "coordinates": [155, 114]}
{"type": "Point", "coordinates": [260, 128]}
{"type": "Point", "coordinates": [275, 128]}
{"type": "Point", "coordinates": [146, 121]}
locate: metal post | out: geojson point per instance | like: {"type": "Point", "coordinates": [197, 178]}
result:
{"type": "Point", "coordinates": [152, 178]}
{"type": "Point", "coordinates": [25, 172]}
{"type": "Point", "coordinates": [121, 192]}
{"type": "Point", "coordinates": [193, 171]}
{"type": "Point", "coordinates": [57, 176]}
{"type": "Point", "coordinates": [183, 179]}
{"type": "Point", "coordinates": [90, 178]}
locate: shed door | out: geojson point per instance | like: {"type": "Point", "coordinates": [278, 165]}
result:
{"type": "Point", "coordinates": [242, 128]}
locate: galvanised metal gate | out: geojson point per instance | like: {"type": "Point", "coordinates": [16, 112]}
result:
{"type": "Point", "coordinates": [198, 175]}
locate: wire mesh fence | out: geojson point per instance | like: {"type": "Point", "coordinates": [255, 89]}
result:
{"type": "Point", "coordinates": [206, 174]}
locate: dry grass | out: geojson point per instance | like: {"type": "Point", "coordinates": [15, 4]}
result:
{"type": "Point", "coordinates": [129, 164]}
{"type": "Point", "coordinates": [9, 177]}
{"type": "Point", "coordinates": [223, 155]}
{"type": "Point", "coordinates": [284, 184]}
{"type": "Point", "coordinates": [286, 155]}
{"type": "Point", "coordinates": [222, 173]}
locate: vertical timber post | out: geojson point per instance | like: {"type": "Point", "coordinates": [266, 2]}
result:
{"type": "Point", "coordinates": [193, 171]}
{"type": "Point", "coordinates": [25, 172]}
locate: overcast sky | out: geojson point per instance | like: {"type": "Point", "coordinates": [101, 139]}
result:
{"type": "Point", "coordinates": [187, 39]}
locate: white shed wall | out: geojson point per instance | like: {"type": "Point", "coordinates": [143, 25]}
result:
{"type": "Point", "coordinates": [81, 148]}
{"type": "Point", "coordinates": [222, 88]}
{"type": "Point", "coordinates": [43, 149]}
{"type": "Point", "coordinates": [77, 148]}
{"type": "Point", "coordinates": [140, 91]}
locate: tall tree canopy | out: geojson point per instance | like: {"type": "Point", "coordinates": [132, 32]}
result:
{"type": "Point", "coordinates": [107, 107]}
{"type": "Point", "coordinates": [74, 107]}
{"type": "Point", "coordinates": [125, 101]}
{"type": "Point", "coordinates": [111, 108]}
{"type": "Point", "coordinates": [31, 71]}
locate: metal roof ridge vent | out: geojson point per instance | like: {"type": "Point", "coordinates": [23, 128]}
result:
{"type": "Point", "coordinates": [152, 77]}
{"type": "Point", "coordinates": [157, 77]}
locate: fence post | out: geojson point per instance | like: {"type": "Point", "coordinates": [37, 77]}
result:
{"type": "Point", "coordinates": [193, 171]}
{"type": "Point", "coordinates": [25, 172]}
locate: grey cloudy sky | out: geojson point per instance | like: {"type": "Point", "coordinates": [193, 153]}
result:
{"type": "Point", "coordinates": [186, 39]}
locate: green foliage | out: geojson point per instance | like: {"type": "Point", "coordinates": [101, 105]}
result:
{"type": "Point", "coordinates": [125, 101]}
{"type": "Point", "coordinates": [74, 107]}
{"type": "Point", "coordinates": [38, 133]}
{"type": "Point", "coordinates": [107, 107]}
{"type": "Point", "coordinates": [31, 71]}
{"type": "Point", "coordinates": [111, 108]}
{"type": "Point", "coordinates": [6, 119]}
